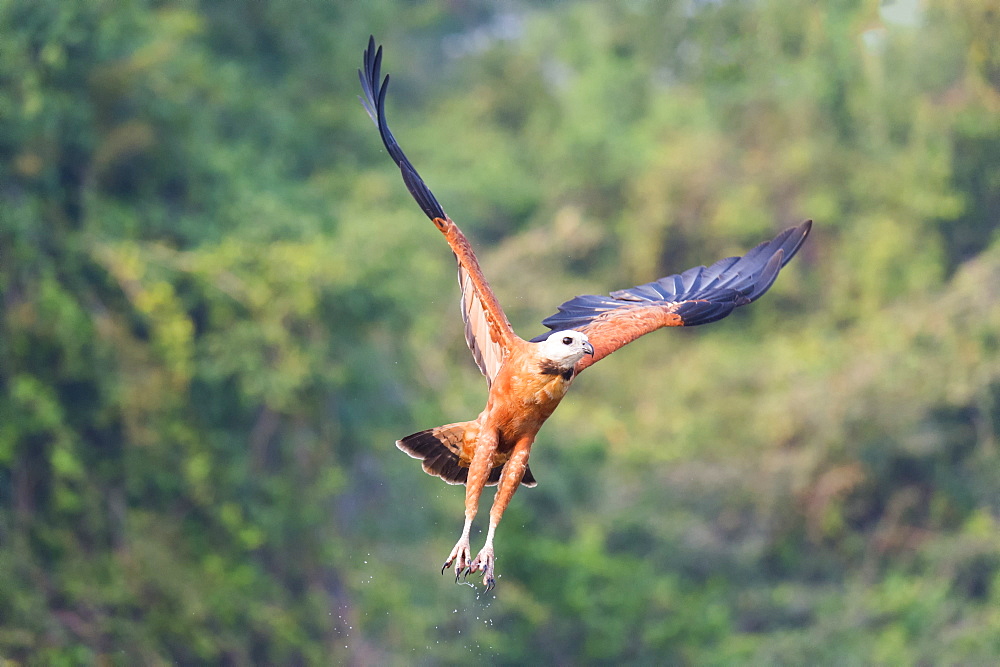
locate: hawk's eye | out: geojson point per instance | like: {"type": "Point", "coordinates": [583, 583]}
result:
{"type": "Point", "coordinates": [567, 340]}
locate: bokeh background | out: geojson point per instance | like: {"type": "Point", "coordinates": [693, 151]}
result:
{"type": "Point", "coordinates": [220, 308]}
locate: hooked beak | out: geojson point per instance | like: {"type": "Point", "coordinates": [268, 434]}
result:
{"type": "Point", "coordinates": [588, 348]}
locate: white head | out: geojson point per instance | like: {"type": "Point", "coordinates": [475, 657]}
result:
{"type": "Point", "coordinates": [565, 348]}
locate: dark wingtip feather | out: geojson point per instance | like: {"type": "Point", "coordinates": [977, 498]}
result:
{"type": "Point", "coordinates": [796, 236]}
{"type": "Point", "coordinates": [767, 276]}
{"type": "Point", "coordinates": [373, 102]}
{"type": "Point", "coordinates": [702, 312]}
{"type": "Point", "coordinates": [421, 193]}
{"type": "Point", "coordinates": [705, 294]}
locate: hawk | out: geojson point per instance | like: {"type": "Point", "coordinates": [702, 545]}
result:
{"type": "Point", "coordinates": [528, 378]}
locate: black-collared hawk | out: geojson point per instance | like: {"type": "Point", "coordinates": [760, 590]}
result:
{"type": "Point", "coordinates": [528, 378]}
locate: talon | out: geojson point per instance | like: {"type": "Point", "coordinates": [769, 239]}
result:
{"type": "Point", "coordinates": [484, 563]}
{"type": "Point", "coordinates": [459, 556]}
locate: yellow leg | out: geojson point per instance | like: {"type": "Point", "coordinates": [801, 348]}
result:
{"type": "Point", "coordinates": [479, 473]}
{"type": "Point", "coordinates": [510, 479]}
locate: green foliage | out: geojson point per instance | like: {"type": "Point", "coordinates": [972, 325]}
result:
{"type": "Point", "coordinates": [219, 308]}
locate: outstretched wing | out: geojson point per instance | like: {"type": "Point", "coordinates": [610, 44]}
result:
{"type": "Point", "coordinates": [697, 296]}
{"type": "Point", "coordinates": [487, 331]}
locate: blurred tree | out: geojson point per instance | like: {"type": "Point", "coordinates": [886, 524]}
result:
{"type": "Point", "coordinates": [219, 309]}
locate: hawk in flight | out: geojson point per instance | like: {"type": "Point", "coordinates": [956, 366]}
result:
{"type": "Point", "coordinates": [528, 378]}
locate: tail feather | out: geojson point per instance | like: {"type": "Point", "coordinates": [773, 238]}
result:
{"type": "Point", "coordinates": [439, 449]}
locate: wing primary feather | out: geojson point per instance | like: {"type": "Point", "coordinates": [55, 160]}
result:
{"type": "Point", "coordinates": [373, 102]}
{"type": "Point", "coordinates": [697, 296]}
{"type": "Point", "coordinates": [487, 330]}
{"type": "Point", "coordinates": [421, 193]}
